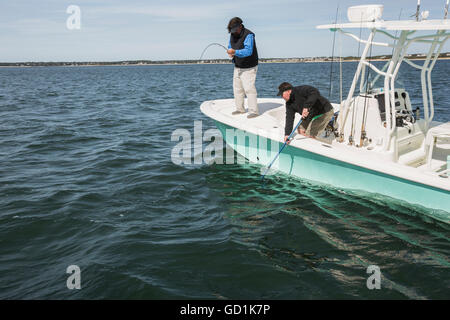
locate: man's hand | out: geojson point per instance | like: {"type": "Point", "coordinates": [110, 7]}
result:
{"type": "Point", "coordinates": [301, 131]}
{"type": "Point", "coordinates": [305, 113]}
{"type": "Point", "coordinates": [231, 52]}
{"type": "Point", "coordinates": [286, 139]}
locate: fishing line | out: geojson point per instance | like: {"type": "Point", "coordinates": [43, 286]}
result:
{"type": "Point", "coordinates": [396, 33]}
{"type": "Point", "coordinates": [212, 44]}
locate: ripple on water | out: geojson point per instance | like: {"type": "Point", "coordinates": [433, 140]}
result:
{"type": "Point", "coordinates": [87, 179]}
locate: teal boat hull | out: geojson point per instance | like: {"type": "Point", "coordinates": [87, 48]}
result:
{"type": "Point", "coordinates": [338, 174]}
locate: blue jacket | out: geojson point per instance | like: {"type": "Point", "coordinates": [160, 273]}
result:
{"type": "Point", "coordinates": [248, 47]}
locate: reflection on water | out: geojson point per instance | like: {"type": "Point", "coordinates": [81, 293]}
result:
{"type": "Point", "coordinates": [302, 228]}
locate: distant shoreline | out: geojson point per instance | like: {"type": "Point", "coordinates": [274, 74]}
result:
{"type": "Point", "coordinates": [442, 56]}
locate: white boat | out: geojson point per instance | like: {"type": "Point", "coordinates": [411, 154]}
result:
{"type": "Point", "coordinates": [378, 143]}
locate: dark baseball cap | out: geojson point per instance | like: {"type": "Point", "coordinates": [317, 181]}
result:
{"type": "Point", "coordinates": [235, 28]}
{"type": "Point", "coordinates": [234, 24]}
{"type": "Point", "coordinates": [283, 87]}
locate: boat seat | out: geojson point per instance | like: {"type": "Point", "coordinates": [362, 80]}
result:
{"type": "Point", "coordinates": [440, 130]}
{"type": "Point", "coordinates": [410, 145]}
{"type": "Point", "coordinates": [438, 135]}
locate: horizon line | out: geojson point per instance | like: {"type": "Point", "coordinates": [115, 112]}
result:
{"type": "Point", "coordinates": [148, 61]}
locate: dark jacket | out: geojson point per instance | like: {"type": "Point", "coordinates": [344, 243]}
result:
{"type": "Point", "coordinates": [304, 97]}
{"type": "Point", "coordinates": [237, 43]}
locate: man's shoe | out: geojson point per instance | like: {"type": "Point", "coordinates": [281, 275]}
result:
{"type": "Point", "coordinates": [252, 115]}
{"type": "Point", "coordinates": [237, 112]}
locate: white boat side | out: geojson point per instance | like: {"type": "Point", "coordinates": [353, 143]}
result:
{"type": "Point", "coordinates": [270, 124]}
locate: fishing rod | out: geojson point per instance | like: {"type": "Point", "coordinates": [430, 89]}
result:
{"type": "Point", "coordinates": [353, 128]}
{"type": "Point", "coordinates": [332, 56]}
{"type": "Point", "coordinates": [281, 149]}
{"type": "Point", "coordinates": [446, 10]}
{"type": "Point", "coordinates": [211, 44]}
{"type": "Point", "coordinates": [362, 136]}
{"type": "Point", "coordinates": [417, 10]}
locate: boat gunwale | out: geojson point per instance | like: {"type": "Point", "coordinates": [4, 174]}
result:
{"type": "Point", "coordinates": [315, 146]}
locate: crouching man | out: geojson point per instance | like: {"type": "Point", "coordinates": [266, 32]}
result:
{"type": "Point", "coordinates": [316, 111]}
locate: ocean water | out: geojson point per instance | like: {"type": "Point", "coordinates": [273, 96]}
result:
{"type": "Point", "coordinates": [86, 179]}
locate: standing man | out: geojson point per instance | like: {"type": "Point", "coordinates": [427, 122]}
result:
{"type": "Point", "coordinates": [316, 110]}
{"type": "Point", "coordinates": [242, 48]}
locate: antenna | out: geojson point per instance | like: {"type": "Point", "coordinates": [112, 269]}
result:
{"type": "Point", "coordinates": [446, 10]}
{"type": "Point", "coordinates": [418, 9]}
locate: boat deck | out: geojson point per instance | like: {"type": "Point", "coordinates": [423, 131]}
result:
{"type": "Point", "coordinates": [271, 116]}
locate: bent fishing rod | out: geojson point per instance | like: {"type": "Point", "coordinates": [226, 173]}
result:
{"type": "Point", "coordinates": [281, 149]}
{"type": "Point", "coordinates": [212, 44]}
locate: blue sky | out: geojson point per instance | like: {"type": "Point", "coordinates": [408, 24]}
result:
{"type": "Point", "coordinates": [111, 30]}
